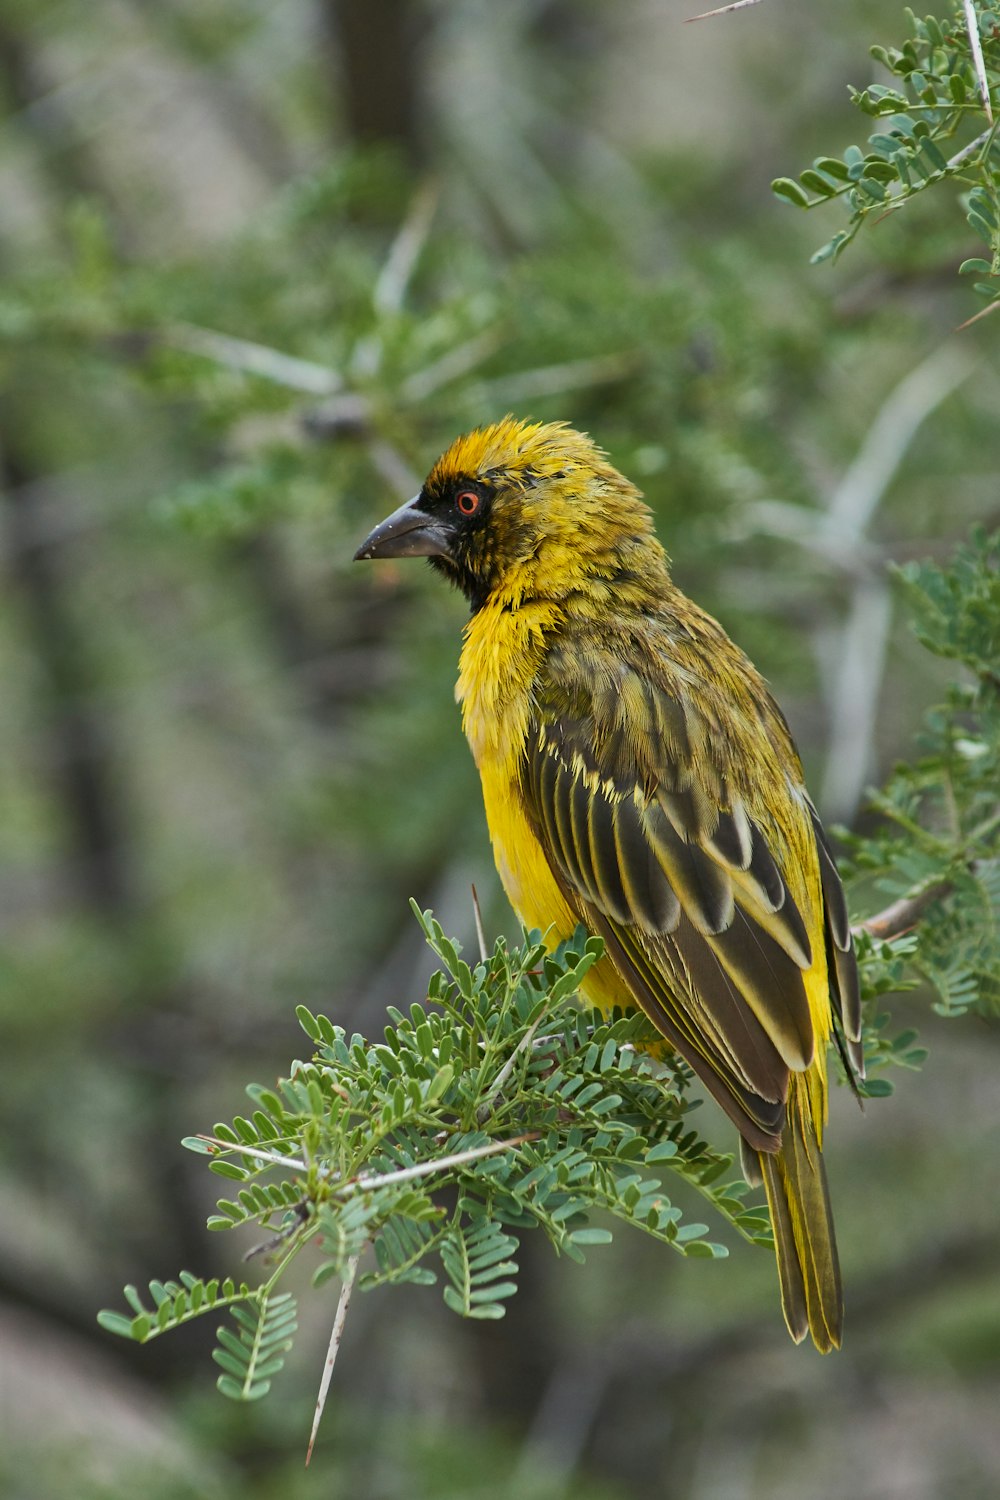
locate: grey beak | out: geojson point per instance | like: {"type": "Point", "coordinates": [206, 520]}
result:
{"type": "Point", "coordinates": [408, 532]}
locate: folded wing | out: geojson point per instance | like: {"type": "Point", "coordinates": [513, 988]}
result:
{"type": "Point", "coordinates": [654, 846]}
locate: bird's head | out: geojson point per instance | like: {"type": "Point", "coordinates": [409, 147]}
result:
{"type": "Point", "coordinates": [523, 510]}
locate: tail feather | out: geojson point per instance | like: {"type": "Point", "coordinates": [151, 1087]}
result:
{"type": "Point", "coordinates": [804, 1241]}
{"type": "Point", "coordinates": [750, 1164]}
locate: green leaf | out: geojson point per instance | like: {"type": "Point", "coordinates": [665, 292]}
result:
{"type": "Point", "coordinates": [195, 1143]}
{"type": "Point", "coordinates": [985, 230]}
{"type": "Point", "coordinates": [831, 249]}
{"type": "Point", "coordinates": [818, 183]}
{"type": "Point", "coordinates": [980, 201]}
{"type": "Point", "coordinates": [131, 1295]}
{"type": "Point", "coordinates": [788, 188]}
{"type": "Point", "coordinates": [309, 1023]}
{"type": "Point", "coordinates": [591, 1236]}
{"type": "Point", "coordinates": [832, 167]}
{"type": "Point", "coordinates": [266, 1326]}
{"type": "Point", "coordinates": [117, 1323]}
{"type": "Point", "coordinates": [930, 150]}
{"type": "Point", "coordinates": [229, 1169]}
{"type": "Point", "coordinates": [662, 1152]}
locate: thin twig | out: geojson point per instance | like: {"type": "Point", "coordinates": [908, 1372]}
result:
{"type": "Point", "coordinates": [438, 1164]}
{"type": "Point", "coordinates": [854, 693]}
{"type": "Point", "coordinates": [347, 1286]}
{"type": "Point", "coordinates": [967, 151]}
{"type": "Point", "coordinates": [400, 263]}
{"type": "Point", "coordinates": [380, 1179]}
{"type": "Point", "coordinates": [975, 43]}
{"type": "Point", "coordinates": [394, 278]}
{"type": "Point", "coordinates": [721, 10]}
{"type": "Point", "coordinates": [507, 1069]}
{"type": "Point", "coordinates": [551, 379]}
{"type": "Point", "coordinates": [896, 424]}
{"type": "Point", "coordinates": [300, 1214]}
{"type": "Point", "coordinates": [390, 464]}
{"type": "Point", "coordinates": [254, 359]}
{"type": "Point", "coordinates": [272, 1158]}
{"type": "Point", "coordinates": [899, 194]}
{"type": "Point", "coordinates": [456, 362]}
{"type": "Point", "coordinates": [854, 685]}
{"type": "Point", "coordinates": [983, 313]}
{"type": "Point", "coordinates": [348, 411]}
{"type": "Point", "coordinates": [903, 914]}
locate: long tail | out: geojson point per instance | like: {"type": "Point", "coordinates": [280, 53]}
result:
{"type": "Point", "coordinates": [794, 1178]}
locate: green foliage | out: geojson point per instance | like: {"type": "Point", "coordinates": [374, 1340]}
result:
{"type": "Point", "coordinates": [265, 1325]}
{"type": "Point", "coordinates": [936, 106]}
{"type": "Point", "coordinates": [885, 969]}
{"type": "Point", "coordinates": [250, 1357]}
{"type": "Point", "coordinates": [499, 1108]}
{"type": "Point", "coordinates": [174, 1303]}
{"type": "Point", "coordinates": [475, 1261]}
{"type": "Point", "coordinates": [940, 840]}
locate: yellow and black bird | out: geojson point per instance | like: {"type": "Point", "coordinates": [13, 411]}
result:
{"type": "Point", "coordinates": [639, 778]}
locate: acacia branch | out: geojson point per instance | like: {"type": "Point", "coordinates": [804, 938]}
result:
{"type": "Point", "coordinates": [903, 914]}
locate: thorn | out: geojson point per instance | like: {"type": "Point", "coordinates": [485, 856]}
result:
{"type": "Point", "coordinates": [976, 48]}
{"type": "Point", "coordinates": [480, 934]}
{"type": "Point", "coordinates": [721, 10]}
{"type": "Point", "coordinates": [346, 1287]}
{"type": "Point", "coordinates": [983, 313]}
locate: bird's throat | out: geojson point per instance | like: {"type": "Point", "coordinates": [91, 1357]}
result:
{"type": "Point", "coordinates": [502, 651]}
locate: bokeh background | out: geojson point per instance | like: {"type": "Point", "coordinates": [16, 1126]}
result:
{"type": "Point", "coordinates": [261, 260]}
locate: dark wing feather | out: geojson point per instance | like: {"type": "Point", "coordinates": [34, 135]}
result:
{"type": "Point", "coordinates": [653, 905]}
{"type": "Point", "coordinates": [844, 983]}
{"type": "Point", "coordinates": [683, 888]}
{"type": "Point", "coordinates": [752, 1091]}
{"type": "Point", "coordinates": [606, 863]}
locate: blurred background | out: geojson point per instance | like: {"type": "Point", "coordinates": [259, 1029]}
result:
{"type": "Point", "coordinates": [260, 262]}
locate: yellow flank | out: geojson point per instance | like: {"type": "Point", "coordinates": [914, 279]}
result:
{"type": "Point", "coordinates": [521, 863]}
{"type": "Point", "coordinates": [638, 778]}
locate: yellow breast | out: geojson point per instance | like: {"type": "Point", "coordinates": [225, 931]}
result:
{"type": "Point", "coordinates": [501, 654]}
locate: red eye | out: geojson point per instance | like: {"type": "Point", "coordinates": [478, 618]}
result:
{"type": "Point", "coordinates": [467, 502]}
